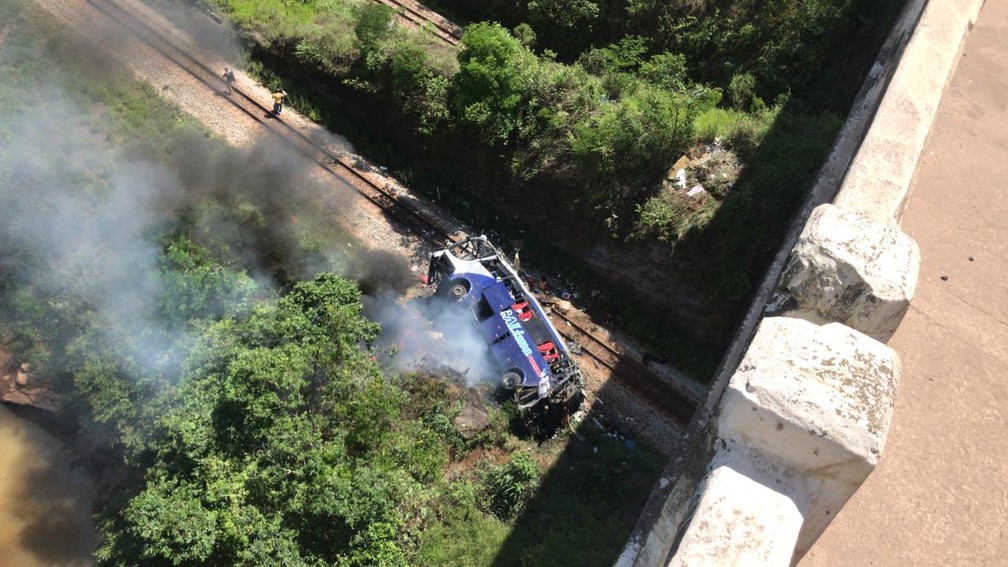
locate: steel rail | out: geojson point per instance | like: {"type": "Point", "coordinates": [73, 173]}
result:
{"type": "Point", "coordinates": [417, 17]}
{"type": "Point", "coordinates": [654, 388]}
{"type": "Point", "coordinates": [332, 163]}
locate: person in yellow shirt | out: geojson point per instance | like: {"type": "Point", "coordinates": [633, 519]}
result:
{"type": "Point", "coordinates": [278, 100]}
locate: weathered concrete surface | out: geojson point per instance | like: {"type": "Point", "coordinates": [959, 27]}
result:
{"type": "Point", "coordinates": [877, 182]}
{"type": "Point", "coordinates": [850, 269]}
{"type": "Point", "coordinates": [940, 494]}
{"type": "Point", "coordinates": [817, 400]}
{"type": "Point", "coordinates": [743, 516]}
{"type": "Point", "coordinates": [800, 427]}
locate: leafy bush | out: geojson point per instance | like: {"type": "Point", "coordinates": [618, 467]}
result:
{"type": "Point", "coordinates": [507, 488]}
{"type": "Point", "coordinates": [742, 91]}
{"type": "Point", "coordinates": [638, 133]}
{"type": "Point", "coordinates": [494, 69]}
{"type": "Point", "coordinates": [670, 216]}
{"type": "Point", "coordinates": [374, 24]}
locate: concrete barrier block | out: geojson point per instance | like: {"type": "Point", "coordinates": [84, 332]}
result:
{"type": "Point", "coordinates": [878, 180]}
{"type": "Point", "coordinates": [852, 270]}
{"type": "Point", "coordinates": [818, 400]}
{"type": "Point", "coordinates": [743, 514]}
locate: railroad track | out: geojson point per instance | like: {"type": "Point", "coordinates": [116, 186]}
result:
{"type": "Point", "coordinates": [446, 31]}
{"type": "Point", "coordinates": [336, 165]}
{"type": "Point", "coordinates": [659, 393]}
{"type": "Point", "coordinates": [652, 388]}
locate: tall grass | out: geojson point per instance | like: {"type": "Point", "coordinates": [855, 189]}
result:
{"type": "Point", "coordinates": [742, 130]}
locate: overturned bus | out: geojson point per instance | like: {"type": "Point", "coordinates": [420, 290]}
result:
{"type": "Point", "coordinates": [533, 359]}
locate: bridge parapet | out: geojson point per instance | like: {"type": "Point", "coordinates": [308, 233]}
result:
{"type": "Point", "coordinates": [799, 409]}
{"type": "Point", "coordinates": [800, 427]}
{"type": "Point", "coordinates": [851, 270]}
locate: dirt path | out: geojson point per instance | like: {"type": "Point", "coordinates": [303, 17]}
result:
{"type": "Point", "coordinates": [940, 493]}
{"type": "Point", "coordinates": [353, 214]}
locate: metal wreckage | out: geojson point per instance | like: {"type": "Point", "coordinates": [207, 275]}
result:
{"type": "Point", "coordinates": [533, 360]}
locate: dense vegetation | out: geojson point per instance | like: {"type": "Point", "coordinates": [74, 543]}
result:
{"type": "Point", "coordinates": [198, 332]}
{"type": "Point", "coordinates": [558, 125]}
{"type": "Point", "coordinates": [205, 337]}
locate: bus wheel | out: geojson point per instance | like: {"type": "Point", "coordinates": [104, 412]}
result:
{"type": "Point", "coordinates": [511, 380]}
{"type": "Point", "coordinates": [457, 290]}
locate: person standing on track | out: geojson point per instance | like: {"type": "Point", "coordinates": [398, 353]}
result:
{"type": "Point", "coordinates": [229, 79]}
{"type": "Point", "coordinates": [278, 100]}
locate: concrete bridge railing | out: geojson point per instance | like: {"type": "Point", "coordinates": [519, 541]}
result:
{"type": "Point", "coordinates": [799, 410]}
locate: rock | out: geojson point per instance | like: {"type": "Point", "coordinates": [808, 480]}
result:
{"type": "Point", "coordinates": [562, 305]}
{"type": "Point", "coordinates": [473, 417]}
{"type": "Point", "coordinates": [470, 421]}
{"type": "Point", "coordinates": [852, 270]}
{"type": "Point", "coordinates": [22, 374]}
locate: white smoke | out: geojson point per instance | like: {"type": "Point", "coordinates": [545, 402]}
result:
{"type": "Point", "coordinates": [81, 218]}
{"type": "Point", "coordinates": [431, 334]}
{"type": "Point", "coordinates": [78, 221]}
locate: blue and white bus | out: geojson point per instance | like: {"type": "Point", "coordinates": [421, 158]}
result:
{"type": "Point", "coordinates": [533, 359]}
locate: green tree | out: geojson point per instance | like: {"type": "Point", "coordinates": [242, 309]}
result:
{"type": "Point", "coordinates": [422, 93]}
{"type": "Point", "coordinates": [195, 286]}
{"type": "Point", "coordinates": [374, 24]}
{"type": "Point", "coordinates": [666, 70]}
{"type": "Point", "coordinates": [171, 524]}
{"type": "Point", "coordinates": [283, 444]}
{"type": "Point", "coordinates": [494, 69]}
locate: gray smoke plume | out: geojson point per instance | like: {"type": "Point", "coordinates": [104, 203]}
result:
{"type": "Point", "coordinates": [104, 244]}
{"type": "Point", "coordinates": [68, 239]}
{"type": "Point", "coordinates": [430, 334]}
{"type": "Point", "coordinates": [83, 220]}
{"type": "Point", "coordinates": [80, 218]}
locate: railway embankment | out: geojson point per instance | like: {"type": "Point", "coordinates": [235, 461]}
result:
{"type": "Point", "coordinates": [800, 408]}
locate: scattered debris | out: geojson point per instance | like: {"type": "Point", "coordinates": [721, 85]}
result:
{"type": "Point", "coordinates": [696, 191]}
{"type": "Point", "coordinates": [712, 167]}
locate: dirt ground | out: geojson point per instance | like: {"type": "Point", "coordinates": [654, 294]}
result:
{"type": "Point", "coordinates": [940, 493]}
{"type": "Point", "coordinates": [351, 212]}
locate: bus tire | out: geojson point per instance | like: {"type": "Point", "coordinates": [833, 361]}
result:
{"type": "Point", "coordinates": [510, 380]}
{"type": "Point", "coordinates": [457, 290]}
